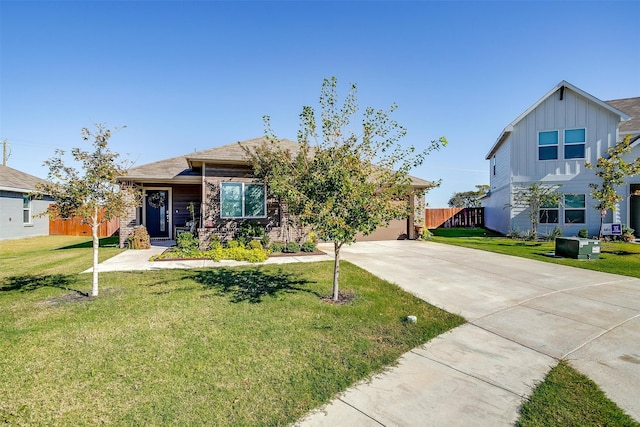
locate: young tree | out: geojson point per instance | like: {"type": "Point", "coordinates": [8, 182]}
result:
{"type": "Point", "coordinates": [469, 199]}
{"type": "Point", "coordinates": [91, 193]}
{"type": "Point", "coordinates": [340, 182]}
{"type": "Point", "coordinates": [534, 198]}
{"type": "Point", "coordinates": [612, 170]}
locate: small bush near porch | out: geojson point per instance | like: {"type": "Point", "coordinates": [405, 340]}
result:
{"type": "Point", "coordinates": [224, 346]}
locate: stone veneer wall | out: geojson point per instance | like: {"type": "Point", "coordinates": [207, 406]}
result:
{"type": "Point", "coordinates": [128, 220]}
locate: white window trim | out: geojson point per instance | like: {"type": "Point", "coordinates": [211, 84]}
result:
{"type": "Point", "coordinates": [242, 203]}
{"type": "Point", "coordinates": [27, 209]}
{"type": "Point", "coordinates": [565, 143]}
{"type": "Point", "coordinates": [557, 145]}
{"type": "Point", "coordinates": [565, 209]}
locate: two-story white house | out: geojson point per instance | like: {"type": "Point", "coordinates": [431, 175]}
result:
{"type": "Point", "coordinates": [550, 143]}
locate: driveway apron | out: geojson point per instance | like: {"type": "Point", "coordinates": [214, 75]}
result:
{"type": "Point", "coordinates": [523, 316]}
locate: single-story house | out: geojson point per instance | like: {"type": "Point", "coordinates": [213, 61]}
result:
{"type": "Point", "coordinates": [549, 143]}
{"type": "Point", "coordinates": [218, 186]}
{"type": "Point", "coordinates": [18, 209]}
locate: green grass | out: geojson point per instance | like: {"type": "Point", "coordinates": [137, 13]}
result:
{"type": "Point", "coordinates": [227, 346]}
{"type": "Point", "coordinates": [568, 398]}
{"type": "Point", "coordinates": [52, 255]}
{"type": "Point", "coordinates": [616, 257]}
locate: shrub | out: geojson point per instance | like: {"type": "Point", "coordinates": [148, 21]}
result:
{"type": "Point", "coordinates": [254, 244]}
{"type": "Point", "coordinates": [553, 234]}
{"type": "Point", "coordinates": [584, 233]}
{"type": "Point", "coordinates": [308, 247]}
{"type": "Point", "coordinates": [248, 230]}
{"type": "Point", "coordinates": [515, 234]}
{"type": "Point", "coordinates": [292, 248]}
{"type": "Point", "coordinates": [139, 238]}
{"type": "Point", "coordinates": [265, 241]}
{"type": "Point", "coordinates": [187, 242]}
{"type": "Point", "coordinates": [231, 244]}
{"type": "Point", "coordinates": [276, 247]}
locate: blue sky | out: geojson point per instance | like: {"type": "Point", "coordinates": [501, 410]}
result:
{"type": "Point", "coordinates": [192, 75]}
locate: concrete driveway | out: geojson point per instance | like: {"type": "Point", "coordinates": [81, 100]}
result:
{"type": "Point", "coordinates": [523, 316]}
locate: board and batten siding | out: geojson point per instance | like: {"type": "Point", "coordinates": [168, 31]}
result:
{"type": "Point", "coordinates": [572, 112]}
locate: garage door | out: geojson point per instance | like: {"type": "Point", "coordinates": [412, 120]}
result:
{"type": "Point", "coordinates": [396, 230]}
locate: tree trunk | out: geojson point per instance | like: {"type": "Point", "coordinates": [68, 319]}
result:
{"type": "Point", "coordinates": [602, 215]}
{"type": "Point", "coordinates": [96, 243]}
{"type": "Point", "coordinates": [336, 269]}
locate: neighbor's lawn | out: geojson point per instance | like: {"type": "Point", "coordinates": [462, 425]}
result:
{"type": "Point", "coordinates": [615, 257]}
{"type": "Point", "coordinates": [242, 346]}
{"type": "Point", "coordinates": [568, 398]}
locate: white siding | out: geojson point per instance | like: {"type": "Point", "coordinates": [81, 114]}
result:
{"type": "Point", "coordinates": [496, 214]}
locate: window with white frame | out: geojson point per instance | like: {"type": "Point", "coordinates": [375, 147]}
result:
{"type": "Point", "coordinates": [574, 209]}
{"type": "Point", "coordinates": [548, 145]}
{"type": "Point", "coordinates": [549, 214]}
{"type": "Point", "coordinates": [26, 209]}
{"type": "Point", "coordinates": [243, 200]}
{"type": "Point", "coordinates": [493, 164]}
{"type": "Point", "coordinates": [574, 142]}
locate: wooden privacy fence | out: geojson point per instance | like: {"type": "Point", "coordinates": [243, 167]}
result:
{"type": "Point", "coordinates": [454, 217]}
{"type": "Point", "coordinates": [75, 227]}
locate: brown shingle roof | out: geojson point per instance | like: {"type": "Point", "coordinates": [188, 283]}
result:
{"type": "Point", "coordinates": [179, 168]}
{"type": "Point", "coordinates": [630, 106]}
{"type": "Point", "coordinates": [234, 153]}
{"type": "Point", "coordinates": [15, 180]}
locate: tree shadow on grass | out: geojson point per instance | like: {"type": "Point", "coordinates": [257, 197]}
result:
{"type": "Point", "coordinates": [251, 285]}
{"type": "Point", "coordinates": [32, 282]}
{"type": "Point", "coordinates": [104, 242]}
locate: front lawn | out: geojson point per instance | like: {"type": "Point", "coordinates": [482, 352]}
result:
{"type": "Point", "coordinates": [221, 346]}
{"type": "Point", "coordinates": [616, 257]}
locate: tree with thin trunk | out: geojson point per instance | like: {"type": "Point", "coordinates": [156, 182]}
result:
{"type": "Point", "coordinates": [536, 197]}
{"type": "Point", "coordinates": [91, 192]}
{"type": "Point", "coordinates": [612, 170]}
{"type": "Point", "coordinates": [342, 179]}
{"type": "Point", "coordinates": [469, 199]}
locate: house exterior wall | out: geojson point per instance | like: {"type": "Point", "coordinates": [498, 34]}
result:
{"type": "Point", "coordinates": [11, 217]}
{"type": "Point", "coordinates": [518, 164]}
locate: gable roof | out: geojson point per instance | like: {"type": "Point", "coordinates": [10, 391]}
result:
{"type": "Point", "coordinates": [563, 84]}
{"type": "Point", "coordinates": [17, 181]}
{"type": "Point", "coordinates": [234, 153]}
{"type": "Point", "coordinates": [181, 168]}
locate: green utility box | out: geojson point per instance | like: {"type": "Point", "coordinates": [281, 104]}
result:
{"type": "Point", "coordinates": [575, 247]}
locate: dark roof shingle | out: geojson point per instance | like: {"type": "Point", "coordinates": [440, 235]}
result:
{"type": "Point", "coordinates": [631, 107]}
{"type": "Point", "coordinates": [16, 180]}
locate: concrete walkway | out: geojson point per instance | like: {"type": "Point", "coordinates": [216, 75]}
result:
{"type": "Point", "coordinates": [138, 259]}
{"type": "Point", "coordinates": [523, 316]}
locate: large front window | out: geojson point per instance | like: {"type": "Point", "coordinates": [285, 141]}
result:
{"type": "Point", "coordinates": [549, 214]}
{"type": "Point", "coordinates": [243, 200]}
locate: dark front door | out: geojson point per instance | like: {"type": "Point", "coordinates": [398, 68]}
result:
{"type": "Point", "coordinates": [157, 217]}
{"type": "Point", "coordinates": [634, 209]}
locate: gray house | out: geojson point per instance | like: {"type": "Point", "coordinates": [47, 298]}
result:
{"type": "Point", "coordinates": [18, 209]}
{"type": "Point", "coordinates": [217, 184]}
{"type": "Point", "coordinates": [550, 143]}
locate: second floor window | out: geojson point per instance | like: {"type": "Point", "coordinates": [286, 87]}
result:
{"type": "Point", "coordinates": [548, 145]}
{"type": "Point", "coordinates": [574, 141]}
